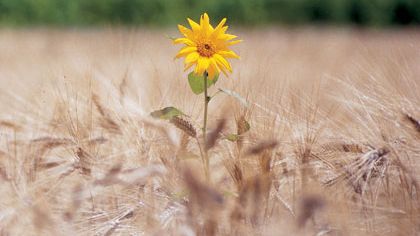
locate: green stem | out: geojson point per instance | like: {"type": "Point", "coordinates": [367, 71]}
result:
{"type": "Point", "coordinates": [206, 104]}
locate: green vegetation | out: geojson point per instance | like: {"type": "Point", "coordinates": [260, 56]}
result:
{"type": "Point", "coordinates": [247, 12]}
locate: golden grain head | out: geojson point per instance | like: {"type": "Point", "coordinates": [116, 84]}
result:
{"type": "Point", "coordinates": [184, 125]}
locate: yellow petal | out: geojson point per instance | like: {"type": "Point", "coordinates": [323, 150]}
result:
{"type": "Point", "coordinates": [222, 62]}
{"type": "Point", "coordinates": [185, 31]}
{"type": "Point", "coordinates": [207, 29]}
{"type": "Point", "coordinates": [218, 29]}
{"type": "Point", "coordinates": [228, 54]}
{"type": "Point", "coordinates": [213, 69]}
{"type": "Point", "coordinates": [212, 72]}
{"type": "Point", "coordinates": [192, 57]}
{"type": "Point", "coordinates": [188, 66]}
{"type": "Point", "coordinates": [224, 28]}
{"type": "Point", "coordinates": [202, 65]}
{"type": "Point", "coordinates": [220, 25]}
{"type": "Point", "coordinates": [184, 41]}
{"type": "Point", "coordinates": [186, 50]}
{"type": "Point", "coordinates": [224, 71]}
{"type": "Point", "coordinates": [194, 25]}
{"type": "Point", "coordinates": [204, 19]}
{"type": "Point", "coordinates": [234, 42]}
{"type": "Point", "coordinates": [227, 37]}
{"type": "Point", "coordinates": [213, 62]}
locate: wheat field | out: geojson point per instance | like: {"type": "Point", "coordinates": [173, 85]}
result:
{"type": "Point", "coordinates": [333, 146]}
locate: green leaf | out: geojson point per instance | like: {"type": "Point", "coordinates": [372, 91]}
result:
{"type": "Point", "coordinates": [232, 137]}
{"type": "Point", "coordinates": [167, 113]}
{"type": "Point", "coordinates": [197, 82]}
{"type": "Point", "coordinates": [235, 95]}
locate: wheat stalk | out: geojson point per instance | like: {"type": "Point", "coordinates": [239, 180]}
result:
{"type": "Point", "coordinates": [106, 122]}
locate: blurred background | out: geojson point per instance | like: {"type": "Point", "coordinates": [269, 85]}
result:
{"type": "Point", "coordinates": [79, 78]}
{"type": "Point", "coordinates": [372, 13]}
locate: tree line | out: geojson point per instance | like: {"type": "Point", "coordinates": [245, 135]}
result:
{"type": "Point", "coordinates": [245, 12]}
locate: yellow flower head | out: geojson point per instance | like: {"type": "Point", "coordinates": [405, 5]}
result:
{"type": "Point", "coordinates": [206, 47]}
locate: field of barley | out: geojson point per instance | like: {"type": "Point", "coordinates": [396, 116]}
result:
{"type": "Point", "coordinates": [326, 135]}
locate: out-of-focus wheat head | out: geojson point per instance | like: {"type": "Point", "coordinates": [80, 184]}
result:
{"type": "Point", "coordinates": [333, 147]}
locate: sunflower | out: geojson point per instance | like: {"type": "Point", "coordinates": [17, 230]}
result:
{"type": "Point", "coordinates": [206, 47]}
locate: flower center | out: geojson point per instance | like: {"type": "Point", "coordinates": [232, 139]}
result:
{"type": "Point", "coordinates": [205, 49]}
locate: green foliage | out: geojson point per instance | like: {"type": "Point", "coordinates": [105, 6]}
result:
{"type": "Point", "coordinates": [247, 12]}
{"type": "Point", "coordinates": [166, 113]}
{"type": "Point", "coordinates": [196, 82]}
